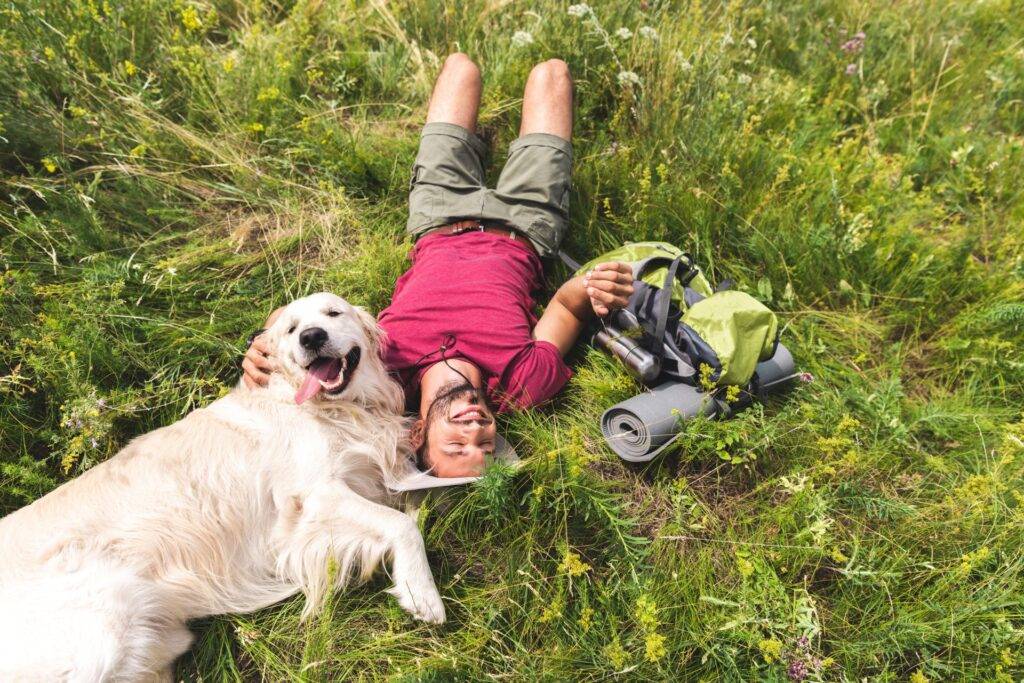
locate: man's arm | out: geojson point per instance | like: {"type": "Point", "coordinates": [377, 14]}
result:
{"type": "Point", "coordinates": [605, 288]}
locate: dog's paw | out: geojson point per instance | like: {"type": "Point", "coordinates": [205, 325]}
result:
{"type": "Point", "coordinates": [419, 597]}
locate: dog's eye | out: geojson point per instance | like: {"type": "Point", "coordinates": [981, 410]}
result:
{"type": "Point", "coordinates": [291, 329]}
{"type": "Point", "coordinates": [333, 314]}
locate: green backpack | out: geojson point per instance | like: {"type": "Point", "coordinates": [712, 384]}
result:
{"type": "Point", "coordinates": [679, 317]}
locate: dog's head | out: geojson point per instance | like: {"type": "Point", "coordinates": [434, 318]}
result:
{"type": "Point", "coordinates": [329, 350]}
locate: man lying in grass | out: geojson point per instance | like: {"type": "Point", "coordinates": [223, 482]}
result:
{"type": "Point", "coordinates": [461, 334]}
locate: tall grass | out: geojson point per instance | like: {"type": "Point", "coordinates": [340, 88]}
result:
{"type": "Point", "coordinates": [171, 171]}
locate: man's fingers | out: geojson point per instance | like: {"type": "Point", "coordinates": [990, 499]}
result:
{"type": "Point", "coordinates": [253, 374]}
{"type": "Point", "coordinates": [614, 266]}
{"type": "Point", "coordinates": [606, 286]}
{"type": "Point", "coordinates": [260, 345]}
{"type": "Point", "coordinates": [610, 276]}
{"type": "Point", "coordinates": [263, 362]}
{"type": "Point", "coordinates": [607, 298]}
{"type": "Point", "coordinates": [602, 285]}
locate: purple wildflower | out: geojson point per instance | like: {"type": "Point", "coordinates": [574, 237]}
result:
{"type": "Point", "coordinates": [851, 69]}
{"type": "Point", "coordinates": [802, 642]}
{"type": "Point", "coordinates": [855, 44]}
{"type": "Point", "coordinates": [797, 670]}
{"type": "Point", "coordinates": [102, 403]}
{"type": "Point", "coordinates": [806, 377]}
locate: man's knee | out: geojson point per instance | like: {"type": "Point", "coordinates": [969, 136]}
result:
{"type": "Point", "coordinates": [459, 65]}
{"type": "Point", "coordinates": [554, 73]}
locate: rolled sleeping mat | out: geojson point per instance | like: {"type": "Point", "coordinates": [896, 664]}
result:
{"type": "Point", "coordinates": [640, 428]}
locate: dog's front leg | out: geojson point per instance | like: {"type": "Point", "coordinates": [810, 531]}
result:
{"type": "Point", "coordinates": [335, 522]}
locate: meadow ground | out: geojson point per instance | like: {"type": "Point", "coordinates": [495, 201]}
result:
{"type": "Point", "coordinates": [173, 169]}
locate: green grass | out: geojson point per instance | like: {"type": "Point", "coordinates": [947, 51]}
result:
{"type": "Point", "coordinates": [171, 171]}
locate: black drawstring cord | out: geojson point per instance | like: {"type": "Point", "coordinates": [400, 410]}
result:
{"type": "Point", "coordinates": [447, 343]}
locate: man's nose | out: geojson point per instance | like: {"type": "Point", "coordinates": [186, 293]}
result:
{"type": "Point", "coordinates": [313, 338]}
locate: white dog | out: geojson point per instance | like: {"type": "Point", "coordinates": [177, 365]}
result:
{"type": "Point", "coordinates": [260, 495]}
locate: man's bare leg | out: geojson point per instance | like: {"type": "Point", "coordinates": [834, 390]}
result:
{"type": "Point", "coordinates": [456, 95]}
{"type": "Point", "coordinates": [547, 100]}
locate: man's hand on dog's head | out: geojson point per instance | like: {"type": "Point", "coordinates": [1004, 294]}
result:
{"type": "Point", "coordinates": [258, 362]}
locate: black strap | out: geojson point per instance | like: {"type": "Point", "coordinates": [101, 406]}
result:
{"type": "Point", "coordinates": [661, 305]}
{"type": "Point", "coordinates": [569, 261]}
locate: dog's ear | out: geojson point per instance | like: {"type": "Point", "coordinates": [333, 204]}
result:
{"type": "Point", "coordinates": [370, 326]}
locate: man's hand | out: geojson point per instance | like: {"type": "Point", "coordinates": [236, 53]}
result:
{"type": "Point", "coordinates": [257, 364]}
{"type": "Point", "coordinates": [609, 286]}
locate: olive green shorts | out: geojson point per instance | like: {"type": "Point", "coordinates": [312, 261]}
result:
{"type": "Point", "coordinates": [531, 196]}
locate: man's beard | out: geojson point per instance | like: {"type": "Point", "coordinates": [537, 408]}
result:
{"type": "Point", "coordinates": [447, 395]}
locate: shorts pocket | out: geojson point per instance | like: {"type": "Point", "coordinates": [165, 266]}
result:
{"type": "Point", "coordinates": [424, 201]}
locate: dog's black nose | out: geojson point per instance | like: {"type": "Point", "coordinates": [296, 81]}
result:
{"type": "Point", "coordinates": [313, 338]}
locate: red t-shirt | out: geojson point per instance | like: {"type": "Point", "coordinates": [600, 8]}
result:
{"type": "Point", "coordinates": [474, 291]}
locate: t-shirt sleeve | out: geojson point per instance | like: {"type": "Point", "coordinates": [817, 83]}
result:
{"type": "Point", "coordinates": [536, 374]}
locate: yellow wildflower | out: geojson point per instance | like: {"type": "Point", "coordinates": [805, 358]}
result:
{"type": "Point", "coordinates": [256, 127]}
{"type": "Point", "coordinates": [654, 647]}
{"type": "Point", "coordinates": [228, 64]}
{"type": "Point", "coordinates": [585, 616]}
{"type": "Point", "coordinates": [706, 371]}
{"type": "Point", "coordinates": [847, 423]}
{"type": "Point", "coordinates": [130, 68]}
{"type": "Point", "coordinates": [190, 19]}
{"type": "Point", "coordinates": [552, 611]}
{"type": "Point", "coordinates": [732, 393]}
{"type": "Point", "coordinates": [971, 561]}
{"type": "Point", "coordinates": [49, 164]}
{"type": "Point", "coordinates": [615, 653]}
{"type": "Point", "coordinates": [771, 649]}
{"type": "Point", "coordinates": [573, 565]}
{"type": "Point", "coordinates": [918, 677]}
{"type": "Point", "coordinates": [137, 151]}
{"type": "Point", "coordinates": [268, 94]}
{"type": "Point", "coordinates": [647, 613]}
{"type": "Point", "coordinates": [49, 53]}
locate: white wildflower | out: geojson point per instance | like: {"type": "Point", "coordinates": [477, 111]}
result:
{"type": "Point", "coordinates": [728, 40]}
{"type": "Point", "coordinates": [580, 11]}
{"type": "Point", "coordinates": [744, 79]}
{"type": "Point", "coordinates": [522, 39]}
{"type": "Point", "coordinates": [648, 32]}
{"type": "Point", "coordinates": [685, 65]}
{"type": "Point", "coordinates": [751, 43]}
{"type": "Point", "coordinates": [623, 33]}
{"type": "Point", "coordinates": [628, 78]}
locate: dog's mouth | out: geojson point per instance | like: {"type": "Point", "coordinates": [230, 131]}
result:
{"type": "Point", "coordinates": [329, 374]}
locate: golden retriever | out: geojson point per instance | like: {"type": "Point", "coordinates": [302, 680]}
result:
{"type": "Point", "coordinates": [260, 495]}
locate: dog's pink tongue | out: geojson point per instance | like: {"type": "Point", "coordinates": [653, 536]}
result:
{"type": "Point", "coordinates": [322, 368]}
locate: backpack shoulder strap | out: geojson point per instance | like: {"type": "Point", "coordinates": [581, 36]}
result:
{"type": "Point", "coordinates": [569, 261]}
{"type": "Point", "coordinates": [663, 299]}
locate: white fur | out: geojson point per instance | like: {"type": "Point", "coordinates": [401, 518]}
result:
{"type": "Point", "coordinates": [235, 507]}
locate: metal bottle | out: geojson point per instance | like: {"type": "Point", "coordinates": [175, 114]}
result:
{"type": "Point", "coordinates": [639, 362]}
